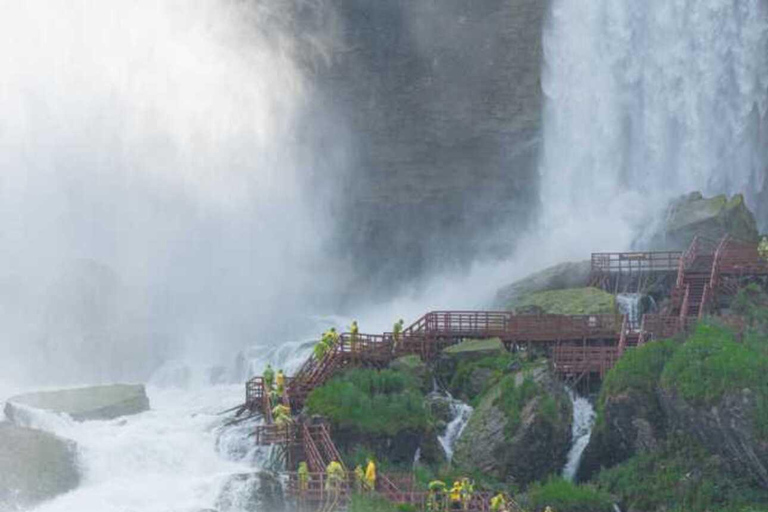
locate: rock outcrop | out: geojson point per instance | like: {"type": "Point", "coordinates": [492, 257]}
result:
{"type": "Point", "coordinates": [571, 301]}
{"type": "Point", "coordinates": [711, 218]}
{"type": "Point", "coordinates": [727, 429]}
{"type": "Point", "coordinates": [90, 403]}
{"type": "Point", "coordinates": [518, 443]}
{"type": "Point", "coordinates": [34, 466]}
{"type": "Point", "coordinates": [565, 275]}
{"type": "Point", "coordinates": [630, 423]}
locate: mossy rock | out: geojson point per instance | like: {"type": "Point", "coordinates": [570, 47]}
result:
{"type": "Point", "coordinates": [712, 218]}
{"type": "Point", "coordinates": [478, 348]}
{"type": "Point", "coordinates": [571, 274]}
{"type": "Point", "coordinates": [413, 365]}
{"type": "Point", "coordinates": [573, 301]}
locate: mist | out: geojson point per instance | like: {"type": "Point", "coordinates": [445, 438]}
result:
{"type": "Point", "coordinates": [158, 188]}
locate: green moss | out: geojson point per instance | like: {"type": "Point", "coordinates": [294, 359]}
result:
{"type": "Point", "coordinates": [710, 364]}
{"type": "Point", "coordinates": [371, 402]}
{"type": "Point", "coordinates": [564, 496]}
{"type": "Point", "coordinates": [513, 398]}
{"type": "Point", "coordinates": [638, 370]}
{"type": "Point", "coordinates": [680, 476]}
{"type": "Point", "coordinates": [573, 301]}
{"type": "Point", "coordinates": [460, 381]}
{"type": "Point", "coordinates": [489, 345]}
{"type": "Point", "coordinates": [373, 503]}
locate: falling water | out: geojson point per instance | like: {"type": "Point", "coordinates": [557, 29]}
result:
{"type": "Point", "coordinates": [461, 413]}
{"type": "Point", "coordinates": [645, 100]}
{"type": "Point", "coordinates": [629, 305]}
{"type": "Point", "coordinates": [581, 430]}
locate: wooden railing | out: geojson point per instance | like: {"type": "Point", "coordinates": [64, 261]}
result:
{"type": "Point", "coordinates": [457, 322]}
{"type": "Point", "coordinates": [686, 302]}
{"type": "Point", "coordinates": [635, 262]}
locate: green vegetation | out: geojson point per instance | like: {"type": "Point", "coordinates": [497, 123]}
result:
{"type": "Point", "coordinates": [564, 496]}
{"type": "Point", "coordinates": [711, 364]}
{"type": "Point", "coordinates": [572, 301]}
{"type": "Point", "coordinates": [373, 503]}
{"type": "Point", "coordinates": [513, 398]}
{"type": "Point", "coordinates": [681, 476]}
{"type": "Point", "coordinates": [489, 345]}
{"type": "Point", "coordinates": [460, 381]}
{"type": "Point", "coordinates": [371, 402]}
{"type": "Point", "coordinates": [638, 370]}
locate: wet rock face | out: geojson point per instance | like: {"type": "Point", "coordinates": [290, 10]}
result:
{"type": "Point", "coordinates": [91, 403]}
{"type": "Point", "coordinates": [711, 218]}
{"type": "Point", "coordinates": [34, 466]}
{"type": "Point", "coordinates": [536, 448]}
{"type": "Point", "coordinates": [252, 492]}
{"type": "Point", "coordinates": [565, 275]}
{"type": "Point", "coordinates": [442, 107]}
{"type": "Point", "coordinates": [631, 423]}
{"type": "Point", "coordinates": [727, 430]}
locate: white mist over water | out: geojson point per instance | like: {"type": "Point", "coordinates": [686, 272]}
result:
{"type": "Point", "coordinates": [154, 193]}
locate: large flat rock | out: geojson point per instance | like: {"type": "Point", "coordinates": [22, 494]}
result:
{"type": "Point", "coordinates": [90, 403]}
{"type": "Point", "coordinates": [34, 466]}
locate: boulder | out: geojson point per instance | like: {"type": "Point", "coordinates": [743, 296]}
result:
{"type": "Point", "coordinates": [712, 218]}
{"type": "Point", "coordinates": [572, 301]}
{"type": "Point", "coordinates": [530, 448]}
{"type": "Point", "coordinates": [252, 492]}
{"type": "Point", "coordinates": [565, 275]}
{"type": "Point", "coordinates": [34, 466]}
{"type": "Point", "coordinates": [630, 423]}
{"type": "Point", "coordinates": [90, 403]}
{"type": "Point", "coordinates": [727, 429]}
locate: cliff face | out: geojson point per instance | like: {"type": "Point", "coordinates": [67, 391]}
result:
{"type": "Point", "coordinates": [441, 107]}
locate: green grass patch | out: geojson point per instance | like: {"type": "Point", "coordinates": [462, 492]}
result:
{"type": "Point", "coordinates": [572, 301]}
{"type": "Point", "coordinates": [488, 345]}
{"type": "Point", "coordinates": [375, 503]}
{"type": "Point", "coordinates": [460, 380]}
{"type": "Point", "coordinates": [711, 363]}
{"type": "Point", "coordinates": [564, 496]}
{"type": "Point", "coordinates": [513, 398]}
{"type": "Point", "coordinates": [681, 476]}
{"type": "Point", "coordinates": [371, 402]}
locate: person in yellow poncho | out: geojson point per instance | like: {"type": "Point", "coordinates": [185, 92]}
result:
{"type": "Point", "coordinates": [334, 475]}
{"type": "Point", "coordinates": [436, 496]}
{"type": "Point", "coordinates": [280, 382]}
{"type": "Point", "coordinates": [370, 475]}
{"type": "Point", "coordinates": [455, 496]}
{"type": "Point", "coordinates": [303, 477]}
{"type": "Point", "coordinates": [499, 503]}
{"type": "Point", "coordinates": [467, 490]}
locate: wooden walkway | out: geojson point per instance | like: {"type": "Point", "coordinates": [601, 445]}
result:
{"type": "Point", "coordinates": [578, 345]}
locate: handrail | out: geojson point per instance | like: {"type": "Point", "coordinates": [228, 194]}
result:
{"type": "Point", "coordinates": [623, 336]}
{"type": "Point", "coordinates": [686, 299]}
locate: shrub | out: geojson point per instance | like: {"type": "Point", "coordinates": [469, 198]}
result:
{"type": "Point", "coordinates": [371, 402]}
{"type": "Point", "coordinates": [564, 496]}
{"type": "Point", "coordinates": [711, 363]}
{"type": "Point", "coordinates": [365, 503]}
{"type": "Point", "coordinates": [513, 398]}
{"type": "Point", "coordinates": [679, 476]}
{"type": "Point", "coordinates": [497, 364]}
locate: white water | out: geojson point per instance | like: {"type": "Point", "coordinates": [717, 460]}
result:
{"type": "Point", "coordinates": [629, 304]}
{"type": "Point", "coordinates": [162, 460]}
{"type": "Point", "coordinates": [461, 414]}
{"type": "Point", "coordinates": [581, 430]}
{"type": "Point", "coordinates": [649, 99]}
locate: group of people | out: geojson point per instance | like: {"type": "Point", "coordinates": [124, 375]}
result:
{"type": "Point", "coordinates": [459, 495]}
{"type": "Point", "coordinates": [274, 386]}
{"type": "Point", "coordinates": [335, 477]}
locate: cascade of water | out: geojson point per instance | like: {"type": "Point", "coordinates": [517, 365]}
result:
{"type": "Point", "coordinates": [461, 413]}
{"type": "Point", "coordinates": [581, 430]}
{"type": "Point", "coordinates": [645, 100]}
{"type": "Point", "coordinates": [629, 304]}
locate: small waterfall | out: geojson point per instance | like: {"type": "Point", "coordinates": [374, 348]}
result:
{"type": "Point", "coordinates": [461, 414]}
{"type": "Point", "coordinates": [581, 430]}
{"type": "Point", "coordinates": [629, 304]}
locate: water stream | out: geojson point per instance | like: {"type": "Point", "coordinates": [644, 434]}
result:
{"type": "Point", "coordinates": [581, 430]}
{"type": "Point", "coordinates": [629, 304]}
{"type": "Point", "coordinates": [461, 414]}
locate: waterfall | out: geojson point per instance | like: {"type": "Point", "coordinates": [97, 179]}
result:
{"type": "Point", "coordinates": [629, 305]}
{"type": "Point", "coordinates": [581, 430]}
{"type": "Point", "coordinates": [647, 100]}
{"type": "Point", "coordinates": [461, 413]}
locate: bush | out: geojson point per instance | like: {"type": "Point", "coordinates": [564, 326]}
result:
{"type": "Point", "coordinates": [513, 398]}
{"type": "Point", "coordinates": [638, 370]}
{"type": "Point", "coordinates": [564, 496]}
{"type": "Point", "coordinates": [679, 476]}
{"type": "Point", "coordinates": [497, 364]}
{"type": "Point", "coordinates": [371, 402]}
{"type": "Point", "coordinates": [365, 503]}
{"type": "Point", "coordinates": [711, 363]}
